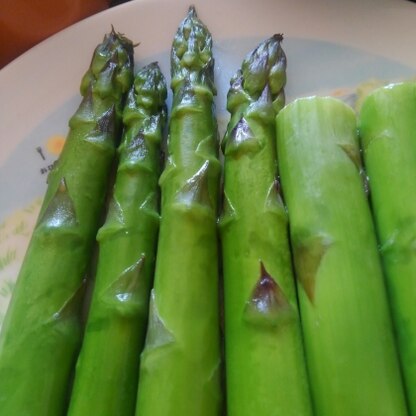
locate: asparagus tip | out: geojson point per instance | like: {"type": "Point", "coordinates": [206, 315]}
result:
{"type": "Point", "coordinates": [192, 11]}
{"type": "Point", "coordinates": [261, 78]}
{"type": "Point", "coordinates": [277, 37]}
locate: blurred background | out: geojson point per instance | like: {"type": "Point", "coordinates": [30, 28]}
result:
{"type": "Point", "coordinates": [24, 23]}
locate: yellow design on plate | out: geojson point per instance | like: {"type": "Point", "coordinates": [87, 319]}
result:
{"type": "Point", "coordinates": [55, 144]}
{"type": "Point", "coordinates": [15, 233]}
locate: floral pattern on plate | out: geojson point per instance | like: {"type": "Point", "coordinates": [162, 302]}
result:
{"type": "Point", "coordinates": [15, 232]}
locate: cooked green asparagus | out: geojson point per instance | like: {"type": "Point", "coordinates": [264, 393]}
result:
{"type": "Point", "coordinates": [351, 356]}
{"type": "Point", "coordinates": [42, 331]}
{"type": "Point", "coordinates": [107, 369]}
{"type": "Point", "coordinates": [265, 368]}
{"type": "Point", "coordinates": [388, 134]}
{"type": "Point", "coordinates": [180, 365]}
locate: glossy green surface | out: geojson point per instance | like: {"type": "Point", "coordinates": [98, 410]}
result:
{"type": "Point", "coordinates": [265, 368]}
{"type": "Point", "coordinates": [388, 134]}
{"type": "Point", "coordinates": [108, 366]}
{"type": "Point", "coordinates": [351, 355]}
{"type": "Point", "coordinates": [180, 365]}
{"type": "Point", "coordinates": [42, 331]}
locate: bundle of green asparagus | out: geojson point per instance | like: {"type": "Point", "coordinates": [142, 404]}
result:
{"type": "Point", "coordinates": [350, 349]}
{"type": "Point", "coordinates": [180, 365]}
{"type": "Point", "coordinates": [42, 331]}
{"type": "Point", "coordinates": [345, 326]}
{"type": "Point", "coordinates": [388, 133]}
{"type": "Point", "coordinates": [107, 369]}
{"type": "Point", "coordinates": [265, 367]}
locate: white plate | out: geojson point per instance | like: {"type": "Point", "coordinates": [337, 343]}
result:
{"type": "Point", "coordinates": [331, 46]}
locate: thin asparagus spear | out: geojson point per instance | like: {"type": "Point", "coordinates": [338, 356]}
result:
{"type": "Point", "coordinates": [42, 331]}
{"type": "Point", "coordinates": [351, 356]}
{"type": "Point", "coordinates": [107, 369]}
{"type": "Point", "coordinates": [265, 368]}
{"type": "Point", "coordinates": [388, 134]}
{"type": "Point", "coordinates": [180, 365]}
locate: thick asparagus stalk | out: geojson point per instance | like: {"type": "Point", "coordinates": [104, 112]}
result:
{"type": "Point", "coordinates": [180, 365]}
{"type": "Point", "coordinates": [351, 356]}
{"type": "Point", "coordinates": [42, 331]}
{"type": "Point", "coordinates": [265, 368]}
{"type": "Point", "coordinates": [388, 133]}
{"type": "Point", "coordinates": [107, 368]}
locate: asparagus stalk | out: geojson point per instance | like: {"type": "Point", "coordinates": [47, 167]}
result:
{"type": "Point", "coordinates": [265, 369]}
{"type": "Point", "coordinates": [388, 134]}
{"type": "Point", "coordinates": [42, 331]}
{"type": "Point", "coordinates": [107, 369]}
{"type": "Point", "coordinates": [179, 370]}
{"type": "Point", "coordinates": [351, 356]}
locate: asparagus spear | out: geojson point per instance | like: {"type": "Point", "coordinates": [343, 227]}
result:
{"type": "Point", "coordinates": [388, 133]}
{"type": "Point", "coordinates": [107, 368]}
{"type": "Point", "coordinates": [351, 356]}
{"type": "Point", "coordinates": [265, 369]}
{"type": "Point", "coordinates": [179, 370]}
{"type": "Point", "coordinates": [42, 331]}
